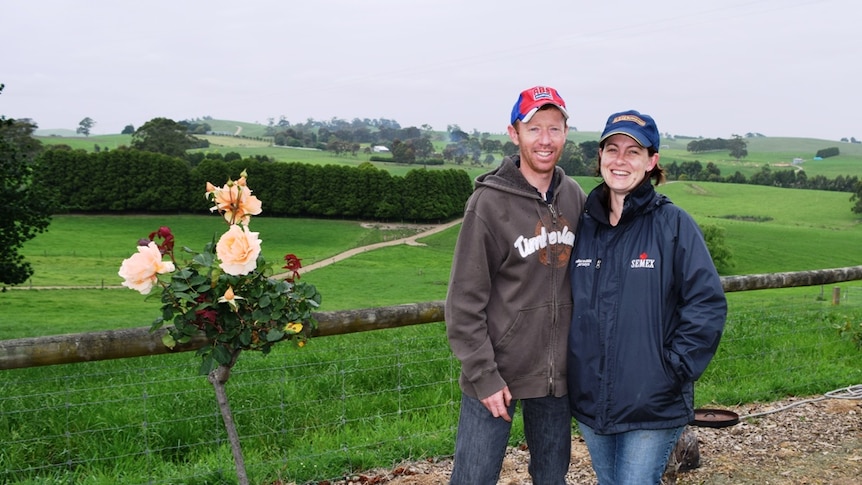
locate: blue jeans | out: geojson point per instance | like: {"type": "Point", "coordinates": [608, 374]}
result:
{"type": "Point", "coordinates": [480, 444]}
{"type": "Point", "coordinates": [635, 457]}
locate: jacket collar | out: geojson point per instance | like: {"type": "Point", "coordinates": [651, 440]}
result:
{"type": "Point", "coordinates": [508, 177]}
{"type": "Point", "coordinates": [640, 201]}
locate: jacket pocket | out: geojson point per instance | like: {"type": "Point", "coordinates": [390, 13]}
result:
{"type": "Point", "coordinates": [524, 344]}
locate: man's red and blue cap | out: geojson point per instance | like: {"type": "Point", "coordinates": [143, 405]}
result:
{"type": "Point", "coordinates": [534, 98]}
{"type": "Point", "coordinates": [639, 126]}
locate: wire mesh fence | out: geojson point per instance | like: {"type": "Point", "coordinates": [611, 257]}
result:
{"type": "Point", "coordinates": [351, 402]}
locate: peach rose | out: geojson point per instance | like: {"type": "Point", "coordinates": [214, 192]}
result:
{"type": "Point", "coordinates": [140, 270]}
{"type": "Point", "coordinates": [234, 201]}
{"type": "Point", "coordinates": [238, 250]}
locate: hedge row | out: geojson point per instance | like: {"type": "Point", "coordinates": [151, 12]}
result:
{"type": "Point", "coordinates": [827, 152]}
{"type": "Point", "coordinates": [138, 181]}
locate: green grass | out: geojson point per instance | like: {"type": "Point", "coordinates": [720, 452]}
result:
{"type": "Point", "coordinates": [355, 402]}
{"type": "Point", "coordinates": [780, 343]}
{"type": "Point", "coordinates": [85, 250]}
{"type": "Point", "coordinates": [347, 403]}
{"type": "Point", "coordinates": [88, 143]}
{"type": "Point", "coordinates": [800, 229]}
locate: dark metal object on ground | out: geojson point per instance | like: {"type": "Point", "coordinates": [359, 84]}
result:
{"type": "Point", "coordinates": [714, 418]}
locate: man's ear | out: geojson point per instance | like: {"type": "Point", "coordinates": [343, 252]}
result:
{"type": "Point", "coordinates": [513, 134]}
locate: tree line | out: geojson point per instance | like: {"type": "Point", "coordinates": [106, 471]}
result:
{"type": "Point", "coordinates": [129, 180]}
{"type": "Point", "coordinates": [737, 147]}
{"type": "Point", "coordinates": [414, 145]}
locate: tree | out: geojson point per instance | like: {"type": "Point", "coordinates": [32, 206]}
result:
{"type": "Point", "coordinates": [27, 210]}
{"type": "Point", "coordinates": [163, 135]}
{"type": "Point", "coordinates": [492, 146]}
{"type": "Point", "coordinates": [721, 255]}
{"type": "Point", "coordinates": [84, 126]}
{"type": "Point", "coordinates": [738, 147]}
{"type": "Point", "coordinates": [402, 152]}
{"type": "Point", "coordinates": [422, 146]}
{"type": "Point", "coordinates": [128, 130]}
{"type": "Point", "coordinates": [857, 197]}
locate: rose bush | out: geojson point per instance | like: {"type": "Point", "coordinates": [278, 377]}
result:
{"type": "Point", "coordinates": [227, 291]}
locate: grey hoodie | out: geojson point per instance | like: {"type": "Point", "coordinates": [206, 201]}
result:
{"type": "Point", "coordinates": [509, 303]}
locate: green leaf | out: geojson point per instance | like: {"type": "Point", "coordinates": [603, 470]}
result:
{"type": "Point", "coordinates": [182, 274]}
{"type": "Point", "coordinates": [245, 337]}
{"type": "Point", "coordinates": [179, 286]}
{"type": "Point", "coordinates": [221, 355]}
{"type": "Point", "coordinates": [182, 296]}
{"type": "Point", "coordinates": [198, 279]}
{"type": "Point", "coordinates": [274, 335]}
{"type": "Point", "coordinates": [158, 322]}
{"type": "Point", "coordinates": [207, 365]}
{"type": "Point", "coordinates": [169, 341]}
{"type": "Point", "coordinates": [167, 313]}
{"type": "Point", "coordinates": [204, 259]}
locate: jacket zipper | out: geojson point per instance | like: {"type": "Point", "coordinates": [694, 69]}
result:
{"type": "Point", "coordinates": [554, 223]}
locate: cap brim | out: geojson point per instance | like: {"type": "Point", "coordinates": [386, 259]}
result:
{"type": "Point", "coordinates": [629, 133]}
{"type": "Point", "coordinates": [527, 117]}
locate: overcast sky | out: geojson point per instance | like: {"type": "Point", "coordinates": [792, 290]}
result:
{"type": "Point", "coordinates": [708, 68]}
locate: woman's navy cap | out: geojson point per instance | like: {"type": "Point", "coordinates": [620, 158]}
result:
{"type": "Point", "coordinates": [639, 126]}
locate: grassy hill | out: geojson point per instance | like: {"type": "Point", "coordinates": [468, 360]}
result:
{"type": "Point", "coordinates": [238, 127]}
{"type": "Point", "coordinates": [776, 152]}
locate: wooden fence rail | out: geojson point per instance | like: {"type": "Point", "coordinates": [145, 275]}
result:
{"type": "Point", "coordinates": [140, 341]}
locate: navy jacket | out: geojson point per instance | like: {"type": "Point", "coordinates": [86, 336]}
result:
{"type": "Point", "coordinates": [648, 313]}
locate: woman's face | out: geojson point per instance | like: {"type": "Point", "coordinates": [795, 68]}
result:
{"type": "Point", "coordinates": [625, 163]}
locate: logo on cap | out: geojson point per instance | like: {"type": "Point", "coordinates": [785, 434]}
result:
{"type": "Point", "coordinates": [632, 118]}
{"type": "Point", "coordinates": [534, 98]}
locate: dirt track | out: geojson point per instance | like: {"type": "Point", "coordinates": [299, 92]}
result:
{"type": "Point", "coordinates": [426, 230]}
{"type": "Point", "coordinates": [410, 240]}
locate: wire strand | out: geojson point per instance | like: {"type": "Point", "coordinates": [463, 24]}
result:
{"type": "Point", "coordinates": [850, 392]}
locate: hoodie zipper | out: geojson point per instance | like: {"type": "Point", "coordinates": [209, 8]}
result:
{"type": "Point", "coordinates": [551, 366]}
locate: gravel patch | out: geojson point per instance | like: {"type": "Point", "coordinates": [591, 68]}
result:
{"type": "Point", "coordinates": [795, 441]}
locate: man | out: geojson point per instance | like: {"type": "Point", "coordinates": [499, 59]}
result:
{"type": "Point", "coordinates": [509, 304]}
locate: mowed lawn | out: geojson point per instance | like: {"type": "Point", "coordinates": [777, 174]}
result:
{"type": "Point", "coordinates": [367, 400]}
{"type": "Point", "coordinates": [767, 229]}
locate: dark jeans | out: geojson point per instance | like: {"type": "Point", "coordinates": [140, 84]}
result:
{"type": "Point", "coordinates": [480, 445]}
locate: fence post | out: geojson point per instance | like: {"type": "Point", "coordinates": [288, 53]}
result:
{"type": "Point", "coordinates": [836, 295]}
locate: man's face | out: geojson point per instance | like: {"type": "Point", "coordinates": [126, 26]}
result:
{"type": "Point", "coordinates": [540, 141]}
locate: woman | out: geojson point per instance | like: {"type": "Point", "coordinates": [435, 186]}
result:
{"type": "Point", "coordinates": [649, 311]}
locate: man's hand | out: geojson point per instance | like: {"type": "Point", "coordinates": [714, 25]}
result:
{"type": "Point", "coordinates": [498, 403]}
